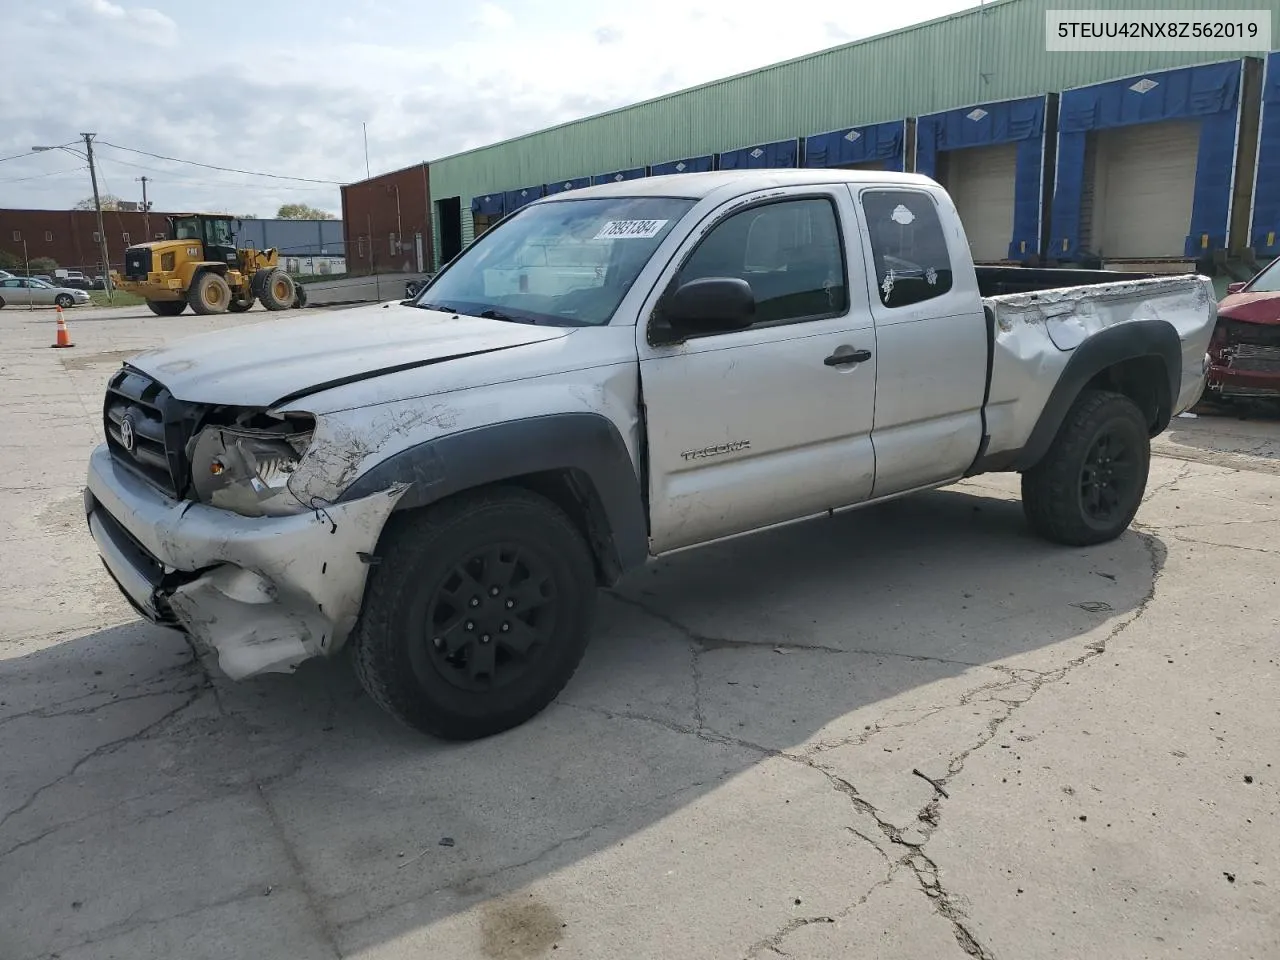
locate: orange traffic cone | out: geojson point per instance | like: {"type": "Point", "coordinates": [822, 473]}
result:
{"type": "Point", "coordinates": [64, 336]}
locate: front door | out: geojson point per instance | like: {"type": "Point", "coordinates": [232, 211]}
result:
{"type": "Point", "coordinates": [771, 423]}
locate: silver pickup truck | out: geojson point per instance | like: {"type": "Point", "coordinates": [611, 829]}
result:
{"type": "Point", "coordinates": [440, 485]}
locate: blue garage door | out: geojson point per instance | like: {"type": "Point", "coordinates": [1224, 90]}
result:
{"type": "Point", "coordinates": [618, 176]}
{"type": "Point", "coordinates": [1265, 233]}
{"type": "Point", "coordinates": [1017, 123]}
{"type": "Point", "coordinates": [689, 165]}
{"type": "Point", "coordinates": [878, 143]}
{"type": "Point", "coordinates": [1206, 95]}
{"type": "Point", "coordinates": [784, 153]}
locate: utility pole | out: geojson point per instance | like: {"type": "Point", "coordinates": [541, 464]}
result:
{"type": "Point", "coordinates": [146, 209]}
{"type": "Point", "coordinates": [365, 128]}
{"type": "Point", "coordinates": [26, 266]}
{"type": "Point", "coordinates": [97, 205]}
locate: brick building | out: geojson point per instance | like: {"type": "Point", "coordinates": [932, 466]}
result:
{"type": "Point", "coordinates": [387, 222]}
{"type": "Point", "coordinates": [70, 237]}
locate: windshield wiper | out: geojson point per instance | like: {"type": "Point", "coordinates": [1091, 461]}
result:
{"type": "Point", "coordinates": [442, 307]}
{"type": "Point", "coordinates": [499, 315]}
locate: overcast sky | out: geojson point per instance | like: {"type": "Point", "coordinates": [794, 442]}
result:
{"type": "Point", "coordinates": [283, 88]}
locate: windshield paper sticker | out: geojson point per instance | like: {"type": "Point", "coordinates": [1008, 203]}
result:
{"type": "Point", "coordinates": [630, 230]}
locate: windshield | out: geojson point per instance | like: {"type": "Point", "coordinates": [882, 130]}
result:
{"type": "Point", "coordinates": [188, 228]}
{"type": "Point", "coordinates": [565, 263]}
{"type": "Point", "coordinates": [1268, 281]}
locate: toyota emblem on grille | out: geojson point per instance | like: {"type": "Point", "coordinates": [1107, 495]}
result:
{"type": "Point", "coordinates": [126, 433]}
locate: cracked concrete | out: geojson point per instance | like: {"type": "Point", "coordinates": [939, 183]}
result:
{"type": "Point", "coordinates": [911, 732]}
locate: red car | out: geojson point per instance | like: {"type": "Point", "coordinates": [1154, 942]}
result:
{"type": "Point", "coordinates": [1244, 354]}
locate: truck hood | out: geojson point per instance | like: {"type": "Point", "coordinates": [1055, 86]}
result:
{"type": "Point", "coordinates": [1251, 307]}
{"type": "Point", "coordinates": [264, 364]}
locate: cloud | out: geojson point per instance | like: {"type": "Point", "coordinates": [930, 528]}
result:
{"type": "Point", "coordinates": [427, 85]}
{"type": "Point", "coordinates": [493, 17]}
{"type": "Point", "coordinates": [143, 24]}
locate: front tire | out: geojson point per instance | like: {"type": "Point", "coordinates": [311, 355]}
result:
{"type": "Point", "coordinates": [210, 294]}
{"type": "Point", "coordinates": [166, 308]}
{"type": "Point", "coordinates": [477, 615]}
{"type": "Point", "coordinates": [276, 290]}
{"type": "Point", "coordinates": [1088, 487]}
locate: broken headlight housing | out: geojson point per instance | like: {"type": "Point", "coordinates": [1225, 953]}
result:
{"type": "Point", "coordinates": [246, 469]}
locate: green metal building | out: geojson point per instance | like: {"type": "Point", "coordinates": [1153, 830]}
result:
{"type": "Point", "coordinates": [987, 55]}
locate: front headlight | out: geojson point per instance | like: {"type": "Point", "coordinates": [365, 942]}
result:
{"type": "Point", "coordinates": [247, 471]}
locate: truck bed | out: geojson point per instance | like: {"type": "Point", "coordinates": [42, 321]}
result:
{"type": "Point", "coordinates": [1034, 332]}
{"type": "Point", "coordinates": [997, 281]}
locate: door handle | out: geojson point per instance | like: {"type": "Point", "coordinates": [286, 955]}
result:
{"type": "Point", "coordinates": [842, 359]}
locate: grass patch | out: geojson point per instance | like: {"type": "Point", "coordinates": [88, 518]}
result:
{"type": "Point", "coordinates": [119, 298]}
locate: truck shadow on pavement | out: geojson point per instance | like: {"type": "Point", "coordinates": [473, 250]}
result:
{"type": "Point", "coordinates": [727, 696]}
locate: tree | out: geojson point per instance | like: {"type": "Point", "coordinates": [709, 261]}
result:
{"type": "Point", "coordinates": [300, 211]}
{"type": "Point", "coordinates": [109, 202]}
{"type": "Point", "coordinates": [9, 261]}
{"type": "Point", "coordinates": [43, 265]}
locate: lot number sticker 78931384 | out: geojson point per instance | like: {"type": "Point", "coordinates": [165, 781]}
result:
{"type": "Point", "coordinates": [630, 230]}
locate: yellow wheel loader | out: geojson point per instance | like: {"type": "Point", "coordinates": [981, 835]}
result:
{"type": "Point", "coordinates": [200, 266]}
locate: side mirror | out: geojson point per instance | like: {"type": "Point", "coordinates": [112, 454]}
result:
{"type": "Point", "coordinates": [710, 305]}
{"type": "Point", "coordinates": [1235, 287]}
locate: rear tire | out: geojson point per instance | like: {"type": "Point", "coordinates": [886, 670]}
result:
{"type": "Point", "coordinates": [166, 308]}
{"type": "Point", "coordinates": [1088, 487]}
{"type": "Point", "coordinates": [477, 615]}
{"type": "Point", "coordinates": [276, 290]}
{"type": "Point", "coordinates": [210, 294]}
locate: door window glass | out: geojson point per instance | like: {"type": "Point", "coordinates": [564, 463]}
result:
{"type": "Point", "coordinates": [908, 245]}
{"type": "Point", "coordinates": [789, 253]}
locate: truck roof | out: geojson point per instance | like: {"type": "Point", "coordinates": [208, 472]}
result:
{"type": "Point", "coordinates": [695, 186]}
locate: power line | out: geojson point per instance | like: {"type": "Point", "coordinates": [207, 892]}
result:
{"type": "Point", "coordinates": [19, 156]}
{"type": "Point", "coordinates": [210, 166]}
{"type": "Point", "coordinates": [41, 176]}
{"type": "Point", "coordinates": [172, 177]}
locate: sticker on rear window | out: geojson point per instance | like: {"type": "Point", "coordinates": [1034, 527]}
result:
{"type": "Point", "coordinates": [630, 230]}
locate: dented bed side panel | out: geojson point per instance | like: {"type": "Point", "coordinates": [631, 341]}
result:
{"type": "Point", "coordinates": [1037, 333]}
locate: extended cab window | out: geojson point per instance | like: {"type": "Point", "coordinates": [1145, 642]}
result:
{"type": "Point", "coordinates": [790, 254]}
{"type": "Point", "coordinates": [908, 245]}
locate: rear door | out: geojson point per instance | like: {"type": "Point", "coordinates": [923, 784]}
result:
{"type": "Point", "coordinates": [771, 423]}
{"type": "Point", "coordinates": [931, 337]}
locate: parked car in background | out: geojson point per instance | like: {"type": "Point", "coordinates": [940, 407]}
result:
{"type": "Point", "coordinates": [99, 283]}
{"type": "Point", "coordinates": [32, 291]}
{"type": "Point", "coordinates": [72, 279]}
{"type": "Point", "coordinates": [43, 278]}
{"type": "Point", "coordinates": [1244, 354]}
{"type": "Point", "coordinates": [5, 275]}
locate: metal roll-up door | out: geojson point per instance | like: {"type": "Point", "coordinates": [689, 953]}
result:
{"type": "Point", "coordinates": [981, 181]}
{"type": "Point", "coordinates": [865, 165]}
{"type": "Point", "coordinates": [1145, 182]}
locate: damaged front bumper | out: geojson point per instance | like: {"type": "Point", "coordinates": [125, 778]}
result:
{"type": "Point", "coordinates": [265, 592]}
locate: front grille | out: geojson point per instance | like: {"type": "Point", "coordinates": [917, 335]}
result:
{"type": "Point", "coordinates": [154, 442]}
{"type": "Point", "coordinates": [1254, 358]}
{"type": "Point", "coordinates": [137, 263]}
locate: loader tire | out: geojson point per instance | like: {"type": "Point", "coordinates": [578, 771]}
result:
{"type": "Point", "coordinates": [1089, 485]}
{"type": "Point", "coordinates": [241, 306]}
{"type": "Point", "coordinates": [300, 296]}
{"type": "Point", "coordinates": [166, 308]}
{"type": "Point", "coordinates": [210, 294]}
{"type": "Point", "coordinates": [276, 290]}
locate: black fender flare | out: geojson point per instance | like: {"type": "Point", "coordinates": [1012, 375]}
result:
{"type": "Point", "coordinates": [1131, 340]}
{"type": "Point", "coordinates": [586, 446]}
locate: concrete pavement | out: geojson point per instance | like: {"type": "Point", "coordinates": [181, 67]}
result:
{"type": "Point", "coordinates": [913, 731]}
